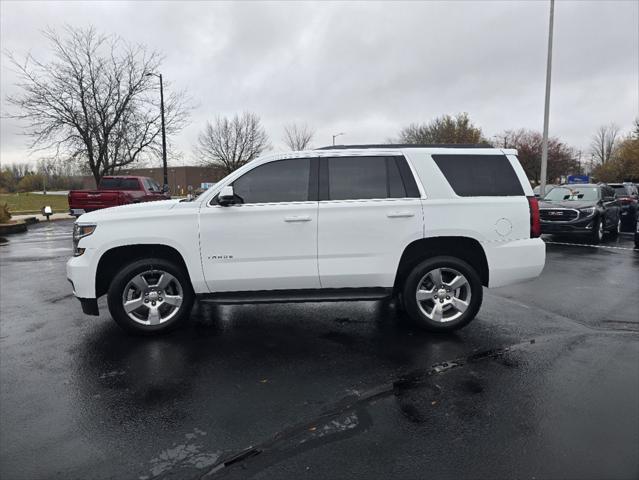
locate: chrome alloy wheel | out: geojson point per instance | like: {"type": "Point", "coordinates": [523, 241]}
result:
{"type": "Point", "coordinates": [152, 297]}
{"type": "Point", "coordinates": [443, 294]}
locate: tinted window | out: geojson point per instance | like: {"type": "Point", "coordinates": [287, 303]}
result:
{"type": "Point", "coordinates": [360, 178]}
{"type": "Point", "coordinates": [279, 181]}
{"type": "Point", "coordinates": [608, 192]}
{"type": "Point", "coordinates": [119, 184]}
{"type": "Point", "coordinates": [621, 191]}
{"type": "Point", "coordinates": [395, 185]}
{"type": "Point", "coordinates": [479, 175]}
{"type": "Point", "coordinates": [129, 184]}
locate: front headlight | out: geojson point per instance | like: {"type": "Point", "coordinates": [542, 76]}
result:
{"type": "Point", "coordinates": [81, 231]}
{"type": "Point", "coordinates": [586, 212]}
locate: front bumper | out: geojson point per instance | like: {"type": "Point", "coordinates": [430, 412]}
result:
{"type": "Point", "coordinates": [89, 306]}
{"type": "Point", "coordinates": [578, 227]}
{"type": "Point", "coordinates": [80, 272]}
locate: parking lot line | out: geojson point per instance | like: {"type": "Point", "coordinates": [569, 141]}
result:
{"type": "Point", "coordinates": [587, 245]}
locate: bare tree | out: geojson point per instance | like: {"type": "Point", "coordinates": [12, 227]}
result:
{"type": "Point", "coordinates": [298, 136]}
{"type": "Point", "coordinates": [95, 102]}
{"type": "Point", "coordinates": [604, 142]}
{"type": "Point", "coordinates": [231, 143]}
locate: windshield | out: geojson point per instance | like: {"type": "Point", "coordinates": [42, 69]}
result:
{"type": "Point", "coordinates": [560, 194]}
{"type": "Point", "coordinates": [621, 191]}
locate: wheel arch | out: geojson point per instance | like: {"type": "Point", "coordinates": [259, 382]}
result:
{"type": "Point", "coordinates": [115, 258]}
{"type": "Point", "coordinates": [464, 248]}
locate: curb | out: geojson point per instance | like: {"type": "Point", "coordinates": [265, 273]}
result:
{"type": "Point", "coordinates": [10, 228]}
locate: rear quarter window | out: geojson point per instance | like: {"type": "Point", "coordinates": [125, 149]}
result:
{"type": "Point", "coordinates": [479, 175]}
{"type": "Point", "coordinates": [130, 184]}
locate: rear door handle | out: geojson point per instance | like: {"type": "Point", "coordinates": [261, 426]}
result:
{"type": "Point", "coordinates": [399, 214]}
{"type": "Point", "coordinates": [301, 218]}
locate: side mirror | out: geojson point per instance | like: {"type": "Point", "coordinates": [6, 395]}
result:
{"type": "Point", "coordinates": [226, 196]}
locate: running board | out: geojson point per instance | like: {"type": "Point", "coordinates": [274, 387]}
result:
{"type": "Point", "coordinates": [298, 296]}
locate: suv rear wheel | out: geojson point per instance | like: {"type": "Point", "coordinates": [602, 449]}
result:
{"type": "Point", "coordinates": [442, 294]}
{"type": "Point", "coordinates": [150, 296]}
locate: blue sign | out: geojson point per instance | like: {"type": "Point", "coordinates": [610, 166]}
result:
{"type": "Point", "coordinates": [578, 179]}
{"type": "Point", "coordinates": [206, 185]}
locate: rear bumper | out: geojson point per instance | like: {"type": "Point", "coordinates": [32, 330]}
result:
{"type": "Point", "coordinates": [514, 262]}
{"type": "Point", "coordinates": [76, 212]}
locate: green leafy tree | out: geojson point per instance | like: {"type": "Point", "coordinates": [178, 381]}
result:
{"type": "Point", "coordinates": [624, 166]}
{"type": "Point", "coordinates": [7, 181]}
{"type": "Point", "coordinates": [458, 129]}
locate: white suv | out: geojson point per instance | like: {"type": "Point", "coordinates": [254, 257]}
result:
{"type": "Point", "coordinates": [428, 226]}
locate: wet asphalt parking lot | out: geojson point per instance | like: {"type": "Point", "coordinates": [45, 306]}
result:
{"type": "Point", "coordinates": [543, 384]}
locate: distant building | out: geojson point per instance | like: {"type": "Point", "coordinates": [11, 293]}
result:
{"type": "Point", "coordinates": [180, 178]}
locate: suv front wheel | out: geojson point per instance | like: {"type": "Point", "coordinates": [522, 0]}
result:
{"type": "Point", "coordinates": [150, 296]}
{"type": "Point", "coordinates": [442, 294]}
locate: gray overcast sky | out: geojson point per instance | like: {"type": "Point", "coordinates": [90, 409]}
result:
{"type": "Point", "coordinates": [366, 68]}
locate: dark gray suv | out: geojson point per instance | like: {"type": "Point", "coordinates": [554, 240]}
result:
{"type": "Point", "coordinates": [586, 209]}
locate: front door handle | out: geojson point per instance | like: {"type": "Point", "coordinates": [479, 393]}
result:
{"type": "Point", "coordinates": [399, 214]}
{"type": "Point", "coordinates": [300, 218]}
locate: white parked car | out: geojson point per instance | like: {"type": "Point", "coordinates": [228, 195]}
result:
{"type": "Point", "coordinates": [427, 226]}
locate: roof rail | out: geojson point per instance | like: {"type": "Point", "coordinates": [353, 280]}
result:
{"type": "Point", "coordinates": [406, 145]}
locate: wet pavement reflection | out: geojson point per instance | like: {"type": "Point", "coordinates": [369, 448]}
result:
{"type": "Point", "coordinates": [545, 383]}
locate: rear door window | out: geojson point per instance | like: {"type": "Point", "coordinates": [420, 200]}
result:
{"type": "Point", "coordinates": [363, 178]}
{"type": "Point", "coordinates": [479, 175]}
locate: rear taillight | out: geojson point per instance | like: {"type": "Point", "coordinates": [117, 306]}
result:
{"type": "Point", "coordinates": [535, 225]}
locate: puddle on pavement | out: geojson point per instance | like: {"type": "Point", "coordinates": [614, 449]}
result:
{"type": "Point", "coordinates": [186, 455]}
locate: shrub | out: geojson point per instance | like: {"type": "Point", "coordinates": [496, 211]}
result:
{"type": "Point", "coordinates": [5, 216]}
{"type": "Point", "coordinates": [30, 183]}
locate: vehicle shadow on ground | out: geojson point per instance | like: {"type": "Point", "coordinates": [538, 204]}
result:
{"type": "Point", "coordinates": [223, 347]}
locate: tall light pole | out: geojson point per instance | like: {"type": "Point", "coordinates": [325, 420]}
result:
{"type": "Point", "coordinates": [166, 173]}
{"type": "Point", "coordinates": [544, 143]}
{"type": "Point", "coordinates": [335, 136]}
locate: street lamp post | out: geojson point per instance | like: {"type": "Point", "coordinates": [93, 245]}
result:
{"type": "Point", "coordinates": [335, 136]}
{"type": "Point", "coordinates": [164, 166]}
{"type": "Point", "coordinates": [544, 143]}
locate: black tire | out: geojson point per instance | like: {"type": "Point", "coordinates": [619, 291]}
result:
{"type": "Point", "coordinates": [596, 236]}
{"type": "Point", "coordinates": [416, 277]}
{"type": "Point", "coordinates": [129, 272]}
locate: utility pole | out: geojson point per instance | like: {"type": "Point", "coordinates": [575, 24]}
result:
{"type": "Point", "coordinates": [164, 166]}
{"type": "Point", "coordinates": [544, 144]}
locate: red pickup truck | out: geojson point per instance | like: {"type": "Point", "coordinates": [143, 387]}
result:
{"type": "Point", "coordinates": [114, 191]}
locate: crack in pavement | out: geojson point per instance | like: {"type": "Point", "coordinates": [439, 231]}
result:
{"type": "Point", "coordinates": [345, 418]}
